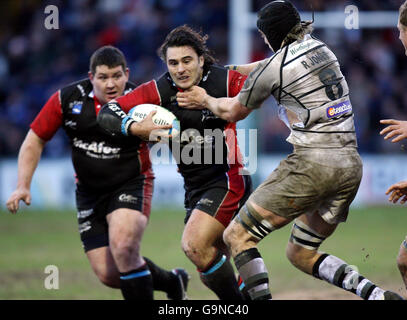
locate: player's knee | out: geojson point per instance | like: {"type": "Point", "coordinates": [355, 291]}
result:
{"type": "Point", "coordinates": [303, 245]}
{"type": "Point", "coordinates": [108, 277]}
{"type": "Point", "coordinates": [198, 252]}
{"type": "Point", "coordinates": [124, 248]}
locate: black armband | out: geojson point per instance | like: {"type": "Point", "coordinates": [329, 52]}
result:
{"type": "Point", "coordinates": [113, 119]}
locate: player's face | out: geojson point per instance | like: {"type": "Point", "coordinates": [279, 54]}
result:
{"type": "Point", "coordinates": [184, 66]}
{"type": "Point", "coordinates": [108, 83]}
{"type": "Point", "coordinates": [403, 35]}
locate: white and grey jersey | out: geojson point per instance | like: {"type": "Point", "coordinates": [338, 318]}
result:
{"type": "Point", "coordinates": [313, 96]}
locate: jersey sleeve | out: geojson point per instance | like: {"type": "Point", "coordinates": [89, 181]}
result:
{"type": "Point", "coordinates": [235, 82]}
{"type": "Point", "coordinates": [259, 85]}
{"type": "Point", "coordinates": [144, 93]}
{"type": "Point", "coordinates": [49, 119]}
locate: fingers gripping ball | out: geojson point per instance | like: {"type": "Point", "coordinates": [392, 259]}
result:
{"type": "Point", "coordinates": [162, 117]}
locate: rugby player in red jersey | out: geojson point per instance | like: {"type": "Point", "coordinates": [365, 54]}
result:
{"type": "Point", "coordinates": [215, 187]}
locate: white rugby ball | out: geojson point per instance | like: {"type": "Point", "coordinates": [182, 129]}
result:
{"type": "Point", "coordinates": [162, 117]}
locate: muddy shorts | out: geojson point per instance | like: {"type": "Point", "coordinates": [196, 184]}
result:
{"type": "Point", "coordinates": [309, 180]}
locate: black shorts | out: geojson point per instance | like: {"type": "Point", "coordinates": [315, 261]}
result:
{"type": "Point", "coordinates": [93, 208]}
{"type": "Point", "coordinates": [221, 198]}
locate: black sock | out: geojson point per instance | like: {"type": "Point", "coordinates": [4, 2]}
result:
{"type": "Point", "coordinates": [219, 276]}
{"type": "Point", "coordinates": [163, 280]}
{"type": "Point", "coordinates": [137, 284]}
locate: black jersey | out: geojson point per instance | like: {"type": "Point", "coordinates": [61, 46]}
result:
{"type": "Point", "coordinates": [201, 149]}
{"type": "Point", "coordinates": [206, 148]}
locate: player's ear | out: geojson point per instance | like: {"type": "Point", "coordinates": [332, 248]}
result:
{"type": "Point", "coordinates": [90, 75]}
{"type": "Point", "coordinates": [127, 73]}
{"type": "Point", "coordinates": [201, 61]}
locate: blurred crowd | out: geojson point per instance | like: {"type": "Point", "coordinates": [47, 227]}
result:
{"type": "Point", "coordinates": [35, 62]}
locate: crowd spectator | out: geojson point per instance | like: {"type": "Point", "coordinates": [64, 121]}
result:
{"type": "Point", "coordinates": [35, 62]}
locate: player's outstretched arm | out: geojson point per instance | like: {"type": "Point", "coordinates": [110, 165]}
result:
{"type": "Point", "coordinates": [243, 68]}
{"type": "Point", "coordinates": [398, 191]}
{"type": "Point", "coordinates": [28, 158]}
{"type": "Point", "coordinates": [229, 109]}
{"type": "Point", "coordinates": [395, 128]}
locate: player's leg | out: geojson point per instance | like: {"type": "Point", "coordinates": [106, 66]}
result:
{"type": "Point", "coordinates": [104, 267]}
{"type": "Point", "coordinates": [308, 232]}
{"type": "Point", "coordinates": [126, 228]}
{"type": "Point", "coordinates": [248, 228]}
{"type": "Point", "coordinates": [203, 244]}
{"type": "Point", "coordinates": [173, 282]}
{"type": "Point", "coordinates": [402, 261]}
{"type": "Point", "coordinates": [130, 208]}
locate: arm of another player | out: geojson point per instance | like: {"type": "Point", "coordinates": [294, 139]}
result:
{"type": "Point", "coordinates": [229, 109]}
{"type": "Point", "coordinates": [243, 68]}
{"type": "Point", "coordinates": [398, 191]}
{"type": "Point", "coordinates": [28, 158]}
{"type": "Point", "coordinates": [396, 128]}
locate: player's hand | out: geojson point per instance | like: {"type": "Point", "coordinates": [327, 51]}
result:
{"type": "Point", "coordinates": [193, 98]}
{"type": "Point", "coordinates": [398, 191]}
{"type": "Point", "coordinates": [14, 201]}
{"type": "Point", "coordinates": [147, 130]}
{"type": "Point", "coordinates": [395, 128]}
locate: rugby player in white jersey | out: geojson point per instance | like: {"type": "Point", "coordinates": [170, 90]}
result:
{"type": "Point", "coordinates": [315, 185]}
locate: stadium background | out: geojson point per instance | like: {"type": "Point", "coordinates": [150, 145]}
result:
{"type": "Point", "coordinates": [35, 62]}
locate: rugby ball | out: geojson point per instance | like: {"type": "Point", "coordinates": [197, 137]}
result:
{"type": "Point", "coordinates": [162, 117]}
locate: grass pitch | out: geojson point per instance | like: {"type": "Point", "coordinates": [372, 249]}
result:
{"type": "Point", "coordinates": [32, 240]}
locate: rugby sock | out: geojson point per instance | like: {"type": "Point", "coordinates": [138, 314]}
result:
{"type": "Point", "coordinates": [163, 280]}
{"type": "Point", "coordinates": [219, 276]}
{"type": "Point", "coordinates": [137, 284]}
{"type": "Point", "coordinates": [339, 273]}
{"type": "Point", "coordinates": [254, 273]}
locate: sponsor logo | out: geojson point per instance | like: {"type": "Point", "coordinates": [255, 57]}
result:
{"type": "Point", "coordinates": [84, 226]}
{"type": "Point", "coordinates": [301, 47]}
{"type": "Point", "coordinates": [84, 213]}
{"type": "Point", "coordinates": [127, 198]}
{"type": "Point", "coordinates": [81, 90]}
{"type": "Point", "coordinates": [338, 109]}
{"type": "Point", "coordinates": [95, 147]}
{"type": "Point", "coordinates": [205, 202]}
{"type": "Point", "coordinates": [116, 109]}
{"type": "Point", "coordinates": [71, 124]}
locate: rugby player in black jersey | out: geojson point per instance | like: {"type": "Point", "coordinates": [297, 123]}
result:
{"type": "Point", "coordinates": [114, 179]}
{"type": "Point", "coordinates": [215, 188]}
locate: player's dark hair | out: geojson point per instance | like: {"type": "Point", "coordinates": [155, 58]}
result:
{"type": "Point", "coordinates": [109, 56]}
{"type": "Point", "coordinates": [403, 14]}
{"type": "Point", "coordinates": [186, 36]}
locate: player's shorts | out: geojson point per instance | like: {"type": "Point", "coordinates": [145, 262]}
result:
{"type": "Point", "coordinates": [93, 207]}
{"type": "Point", "coordinates": [220, 198]}
{"type": "Point", "coordinates": [309, 180]}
